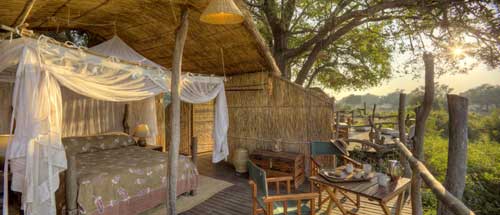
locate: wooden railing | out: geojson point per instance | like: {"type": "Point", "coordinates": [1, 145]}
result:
{"type": "Point", "coordinates": [454, 204]}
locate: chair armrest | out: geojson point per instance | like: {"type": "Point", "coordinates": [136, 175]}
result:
{"type": "Point", "coordinates": [298, 196]}
{"type": "Point", "coordinates": [279, 179]}
{"type": "Point", "coordinates": [350, 160]}
{"type": "Point", "coordinates": [315, 162]}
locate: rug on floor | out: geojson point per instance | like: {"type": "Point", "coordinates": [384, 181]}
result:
{"type": "Point", "coordinates": [207, 188]}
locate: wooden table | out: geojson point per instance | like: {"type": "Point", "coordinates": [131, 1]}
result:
{"type": "Point", "coordinates": [369, 189]}
{"type": "Point", "coordinates": [278, 164]}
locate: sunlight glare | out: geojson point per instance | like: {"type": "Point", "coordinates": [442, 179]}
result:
{"type": "Point", "coordinates": [457, 51]}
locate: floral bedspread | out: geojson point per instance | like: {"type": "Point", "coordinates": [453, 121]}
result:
{"type": "Point", "coordinates": [108, 177]}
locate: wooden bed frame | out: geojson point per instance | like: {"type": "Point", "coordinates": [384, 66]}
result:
{"type": "Point", "coordinates": [71, 184]}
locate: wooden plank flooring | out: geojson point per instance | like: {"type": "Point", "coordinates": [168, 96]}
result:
{"type": "Point", "coordinates": [236, 199]}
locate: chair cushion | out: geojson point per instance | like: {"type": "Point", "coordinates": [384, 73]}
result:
{"type": "Point", "coordinates": [324, 148]}
{"type": "Point", "coordinates": [292, 207]}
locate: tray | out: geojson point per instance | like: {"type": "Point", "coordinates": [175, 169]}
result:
{"type": "Point", "coordinates": [349, 177]}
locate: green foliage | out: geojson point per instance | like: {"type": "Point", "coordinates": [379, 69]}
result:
{"type": "Point", "coordinates": [483, 163]}
{"type": "Point", "coordinates": [348, 44]}
{"type": "Point", "coordinates": [492, 125]}
{"type": "Point", "coordinates": [482, 99]}
{"type": "Point", "coordinates": [359, 60]}
{"type": "Point", "coordinates": [358, 100]}
{"type": "Point", "coordinates": [483, 95]}
{"type": "Point", "coordinates": [440, 92]}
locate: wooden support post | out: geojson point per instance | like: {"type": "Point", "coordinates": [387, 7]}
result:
{"type": "Point", "coordinates": [364, 108]}
{"type": "Point", "coordinates": [194, 149]}
{"type": "Point", "coordinates": [71, 185]}
{"type": "Point", "coordinates": [333, 114]}
{"type": "Point", "coordinates": [173, 153]}
{"type": "Point", "coordinates": [337, 127]}
{"type": "Point", "coordinates": [457, 149]}
{"type": "Point", "coordinates": [126, 127]}
{"type": "Point", "coordinates": [443, 195]}
{"type": "Point", "coordinates": [402, 132]}
{"type": "Point", "coordinates": [372, 118]}
{"type": "Point", "coordinates": [352, 116]}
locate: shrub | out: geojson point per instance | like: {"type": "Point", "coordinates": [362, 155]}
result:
{"type": "Point", "coordinates": [483, 173]}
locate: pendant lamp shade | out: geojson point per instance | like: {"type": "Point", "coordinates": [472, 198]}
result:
{"type": "Point", "coordinates": [222, 12]}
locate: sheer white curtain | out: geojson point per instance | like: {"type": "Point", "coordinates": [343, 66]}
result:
{"type": "Point", "coordinates": [201, 89]}
{"type": "Point", "coordinates": [36, 153]}
{"type": "Point", "coordinates": [83, 116]}
{"type": "Point", "coordinates": [194, 89]}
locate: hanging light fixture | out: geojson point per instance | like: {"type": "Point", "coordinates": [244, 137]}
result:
{"type": "Point", "coordinates": [222, 12]}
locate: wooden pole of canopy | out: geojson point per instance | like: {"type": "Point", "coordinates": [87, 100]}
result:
{"type": "Point", "coordinates": [443, 195]}
{"type": "Point", "coordinates": [173, 153]}
{"type": "Point", "coordinates": [24, 14]}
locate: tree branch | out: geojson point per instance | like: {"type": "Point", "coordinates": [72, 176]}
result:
{"type": "Point", "coordinates": [335, 21]}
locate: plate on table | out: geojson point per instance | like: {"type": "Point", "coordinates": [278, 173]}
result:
{"type": "Point", "coordinates": [362, 128]}
{"type": "Point", "coordinates": [390, 132]}
{"type": "Point", "coordinates": [341, 175]}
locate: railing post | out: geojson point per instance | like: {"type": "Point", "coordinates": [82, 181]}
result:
{"type": "Point", "coordinates": [337, 128]}
{"type": "Point", "coordinates": [402, 132]}
{"type": "Point", "coordinates": [455, 205]}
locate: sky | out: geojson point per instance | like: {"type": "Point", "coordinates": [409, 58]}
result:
{"type": "Point", "coordinates": [459, 82]}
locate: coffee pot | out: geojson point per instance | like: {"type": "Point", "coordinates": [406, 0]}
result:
{"type": "Point", "coordinates": [394, 169]}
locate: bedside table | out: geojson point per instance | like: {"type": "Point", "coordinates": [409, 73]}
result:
{"type": "Point", "coordinates": [154, 147]}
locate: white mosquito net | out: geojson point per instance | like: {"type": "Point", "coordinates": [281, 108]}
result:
{"type": "Point", "coordinates": [194, 89]}
{"type": "Point", "coordinates": [40, 68]}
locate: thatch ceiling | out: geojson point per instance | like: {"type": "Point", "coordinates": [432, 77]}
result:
{"type": "Point", "coordinates": [149, 27]}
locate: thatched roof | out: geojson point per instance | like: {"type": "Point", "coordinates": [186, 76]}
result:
{"type": "Point", "coordinates": [149, 27]}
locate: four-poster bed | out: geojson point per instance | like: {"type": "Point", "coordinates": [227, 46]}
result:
{"type": "Point", "coordinates": [42, 67]}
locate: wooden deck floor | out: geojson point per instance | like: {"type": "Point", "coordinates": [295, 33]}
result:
{"type": "Point", "coordinates": [236, 199]}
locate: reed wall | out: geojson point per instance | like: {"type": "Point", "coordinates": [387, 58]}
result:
{"type": "Point", "coordinates": [196, 121]}
{"type": "Point", "coordinates": [264, 109]}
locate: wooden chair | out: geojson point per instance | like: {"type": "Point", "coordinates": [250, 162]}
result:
{"type": "Point", "coordinates": [327, 155]}
{"type": "Point", "coordinates": [263, 203]}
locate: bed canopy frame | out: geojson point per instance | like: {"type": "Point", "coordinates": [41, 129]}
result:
{"type": "Point", "coordinates": [42, 67]}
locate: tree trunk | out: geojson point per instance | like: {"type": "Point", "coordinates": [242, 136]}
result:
{"type": "Point", "coordinates": [402, 132]}
{"type": "Point", "coordinates": [173, 153]}
{"type": "Point", "coordinates": [418, 145]}
{"type": "Point", "coordinates": [279, 52]}
{"type": "Point", "coordinates": [457, 149]}
{"type": "Point", "coordinates": [311, 80]}
{"type": "Point", "coordinates": [308, 64]}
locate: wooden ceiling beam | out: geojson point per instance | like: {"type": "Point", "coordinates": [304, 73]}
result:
{"type": "Point", "coordinates": [24, 13]}
{"type": "Point", "coordinates": [55, 12]}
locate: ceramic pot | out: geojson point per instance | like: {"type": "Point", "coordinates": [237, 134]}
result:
{"type": "Point", "coordinates": [240, 160]}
